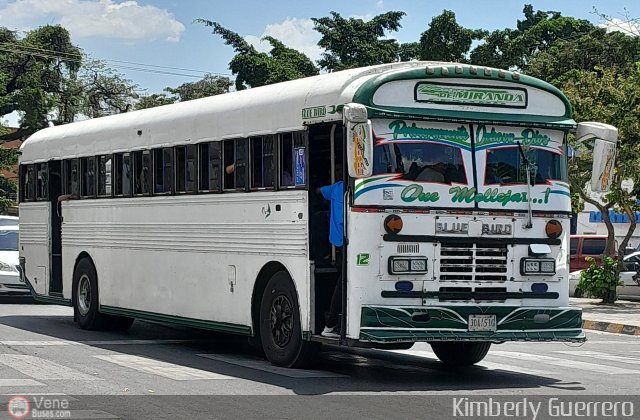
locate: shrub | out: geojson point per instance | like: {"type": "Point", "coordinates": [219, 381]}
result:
{"type": "Point", "coordinates": [600, 281]}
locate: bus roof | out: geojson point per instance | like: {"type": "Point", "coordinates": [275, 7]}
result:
{"type": "Point", "coordinates": [290, 106]}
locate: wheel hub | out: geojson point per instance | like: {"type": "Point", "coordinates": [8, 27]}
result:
{"type": "Point", "coordinates": [281, 320]}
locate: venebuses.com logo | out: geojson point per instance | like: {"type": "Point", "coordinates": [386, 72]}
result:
{"type": "Point", "coordinates": [18, 407]}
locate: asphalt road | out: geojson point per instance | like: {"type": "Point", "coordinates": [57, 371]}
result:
{"type": "Point", "coordinates": [160, 371]}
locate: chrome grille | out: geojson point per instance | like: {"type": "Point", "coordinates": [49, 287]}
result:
{"type": "Point", "coordinates": [473, 262]}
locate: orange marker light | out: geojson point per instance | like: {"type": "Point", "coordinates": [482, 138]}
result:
{"type": "Point", "coordinates": [393, 223]}
{"type": "Point", "coordinates": [553, 229]}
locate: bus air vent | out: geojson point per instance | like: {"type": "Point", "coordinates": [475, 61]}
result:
{"type": "Point", "coordinates": [408, 248]}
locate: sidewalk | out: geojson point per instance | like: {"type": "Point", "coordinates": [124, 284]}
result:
{"type": "Point", "coordinates": [621, 318]}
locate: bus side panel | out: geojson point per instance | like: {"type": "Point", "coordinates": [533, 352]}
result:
{"type": "Point", "coordinates": [34, 244]}
{"type": "Point", "coordinates": [190, 256]}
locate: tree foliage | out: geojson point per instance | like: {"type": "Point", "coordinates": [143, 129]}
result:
{"type": "Point", "coordinates": [611, 96]}
{"type": "Point", "coordinates": [446, 40]}
{"type": "Point", "coordinates": [352, 42]}
{"type": "Point", "coordinates": [253, 68]}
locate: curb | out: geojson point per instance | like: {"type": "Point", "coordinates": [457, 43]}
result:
{"type": "Point", "coordinates": [611, 327]}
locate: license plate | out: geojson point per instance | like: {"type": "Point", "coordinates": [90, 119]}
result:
{"type": "Point", "coordinates": [482, 322]}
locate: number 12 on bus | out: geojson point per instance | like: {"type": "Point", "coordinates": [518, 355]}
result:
{"type": "Point", "coordinates": [205, 213]}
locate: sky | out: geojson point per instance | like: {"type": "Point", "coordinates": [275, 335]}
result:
{"type": "Point", "coordinates": [141, 34]}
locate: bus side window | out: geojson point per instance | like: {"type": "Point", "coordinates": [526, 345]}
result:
{"type": "Point", "coordinates": [88, 167]}
{"type": "Point", "coordinates": [29, 180]}
{"type": "Point", "coordinates": [42, 183]}
{"type": "Point", "coordinates": [242, 154]}
{"type": "Point", "coordinates": [71, 182]}
{"type": "Point", "coordinates": [210, 166]}
{"type": "Point", "coordinates": [126, 175]}
{"type": "Point", "coordinates": [229, 159]}
{"type": "Point", "coordinates": [186, 168]}
{"type": "Point", "coordinates": [163, 170]}
{"type": "Point", "coordinates": [142, 172]}
{"type": "Point", "coordinates": [262, 162]}
{"type": "Point", "coordinates": [104, 175]}
{"type": "Point", "coordinates": [286, 161]}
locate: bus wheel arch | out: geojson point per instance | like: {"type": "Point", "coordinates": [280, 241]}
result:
{"type": "Point", "coordinates": [85, 295]}
{"type": "Point", "coordinates": [87, 313]}
{"type": "Point", "coordinates": [277, 319]}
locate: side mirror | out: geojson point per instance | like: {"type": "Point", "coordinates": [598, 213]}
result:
{"type": "Point", "coordinates": [605, 138]}
{"type": "Point", "coordinates": [359, 141]}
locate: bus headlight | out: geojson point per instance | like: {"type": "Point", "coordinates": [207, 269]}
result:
{"type": "Point", "coordinates": [407, 265]}
{"type": "Point", "coordinates": [537, 266]}
{"type": "Point", "coordinates": [8, 267]}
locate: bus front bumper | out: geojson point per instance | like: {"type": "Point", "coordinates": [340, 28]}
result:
{"type": "Point", "coordinates": [388, 324]}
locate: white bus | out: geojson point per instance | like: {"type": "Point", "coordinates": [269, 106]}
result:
{"type": "Point", "coordinates": [204, 213]}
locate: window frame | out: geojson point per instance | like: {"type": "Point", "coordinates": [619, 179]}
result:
{"type": "Point", "coordinates": [134, 164]}
{"type": "Point", "coordinates": [274, 156]}
{"type": "Point", "coordinates": [186, 163]}
{"type": "Point", "coordinates": [108, 174]}
{"type": "Point", "coordinates": [162, 151]}
{"type": "Point", "coordinates": [201, 166]}
{"type": "Point", "coordinates": [303, 143]}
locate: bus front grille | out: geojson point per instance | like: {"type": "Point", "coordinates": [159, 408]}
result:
{"type": "Point", "coordinates": [472, 262]}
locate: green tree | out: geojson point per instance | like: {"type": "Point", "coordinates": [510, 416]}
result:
{"type": "Point", "coordinates": [154, 100]}
{"type": "Point", "coordinates": [446, 40]}
{"type": "Point", "coordinates": [353, 42]}
{"type": "Point", "coordinates": [209, 85]}
{"type": "Point", "coordinates": [610, 96]}
{"type": "Point", "coordinates": [253, 68]}
{"type": "Point", "coordinates": [34, 71]}
{"type": "Point", "coordinates": [536, 34]}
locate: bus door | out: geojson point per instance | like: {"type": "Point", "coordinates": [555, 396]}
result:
{"type": "Point", "coordinates": [55, 222]}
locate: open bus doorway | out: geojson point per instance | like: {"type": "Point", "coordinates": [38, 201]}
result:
{"type": "Point", "coordinates": [326, 145]}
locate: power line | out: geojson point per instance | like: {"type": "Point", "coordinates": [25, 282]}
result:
{"type": "Point", "coordinates": [127, 65]}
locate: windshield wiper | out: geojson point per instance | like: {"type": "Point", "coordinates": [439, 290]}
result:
{"type": "Point", "coordinates": [527, 166]}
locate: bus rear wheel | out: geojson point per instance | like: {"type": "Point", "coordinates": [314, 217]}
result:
{"type": "Point", "coordinates": [461, 353]}
{"type": "Point", "coordinates": [280, 327]}
{"type": "Point", "coordinates": [85, 302]}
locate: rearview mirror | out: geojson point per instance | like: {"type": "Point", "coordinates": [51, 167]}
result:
{"type": "Point", "coordinates": [605, 138]}
{"type": "Point", "coordinates": [359, 141]}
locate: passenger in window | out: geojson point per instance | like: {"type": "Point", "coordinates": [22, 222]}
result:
{"type": "Point", "coordinates": [230, 169]}
{"type": "Point", "coordinates": [287, 179]}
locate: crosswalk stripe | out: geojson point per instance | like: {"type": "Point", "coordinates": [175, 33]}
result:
{"type": "Point", "coordinates": [157, 367]}
{"type": "Point", "coordinates": [74, 414]}
{"type": "Point", "coordinates": [602, 356]}
{"type": "Point", "coordinates": [265, 366]}
{"type": "Point", "coordinates": [575, 364]}
{"type": "Point", "coordinates": [488, 365]}
{"type": "Point", "coordinates": [514, 369]}
{"type": "Point", "coordinates": [39, 368]}
{"type": "Point", "coordinates": [19, 382]}
{"type": "Point", "coordinates": [36, 343]}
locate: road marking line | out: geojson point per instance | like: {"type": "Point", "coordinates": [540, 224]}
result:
{"type": "Point", "coordinates": [602, 356]}
{"type": "Point", "coordinates": [36, 343]}
{"type": "Point", "coordinates": [488, 365]}
{"type": "Point", "coordinates": [39, 368]}
{"type": "Point", "coordinates": [157, 367]}
{"type": "Point", "coordinates": [514, 369]}
{"type": "Point", "coordinates": [265, 366]}
{"type": "Point", "coordinates": [572, 364]}
{"type": "Point", "coordinates": [75, 414]}
{"type": "Point", "coordinates": [19, 382]}
{"type": "Point", "coordinates": [137, 342]}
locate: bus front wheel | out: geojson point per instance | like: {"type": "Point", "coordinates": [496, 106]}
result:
{"type": "Point", "coordinates": [85, 302]}
{"type": "Point", "coordinates": [461, 353]}
{"type": "Point", "coordinates": [280, 327]}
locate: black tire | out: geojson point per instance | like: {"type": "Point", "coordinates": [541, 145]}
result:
{"type": "Point", "coordinates": [85, 305]}
{"type": "Point", "coordinates": [280, 327]}
{"type": "Point", "coordinates": [461, 353]}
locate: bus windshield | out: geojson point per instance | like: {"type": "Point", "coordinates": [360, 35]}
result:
{"type": "Point", "coordinates": [506, 166]}
{"type": "Point", "coordinates": [420, 161]}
